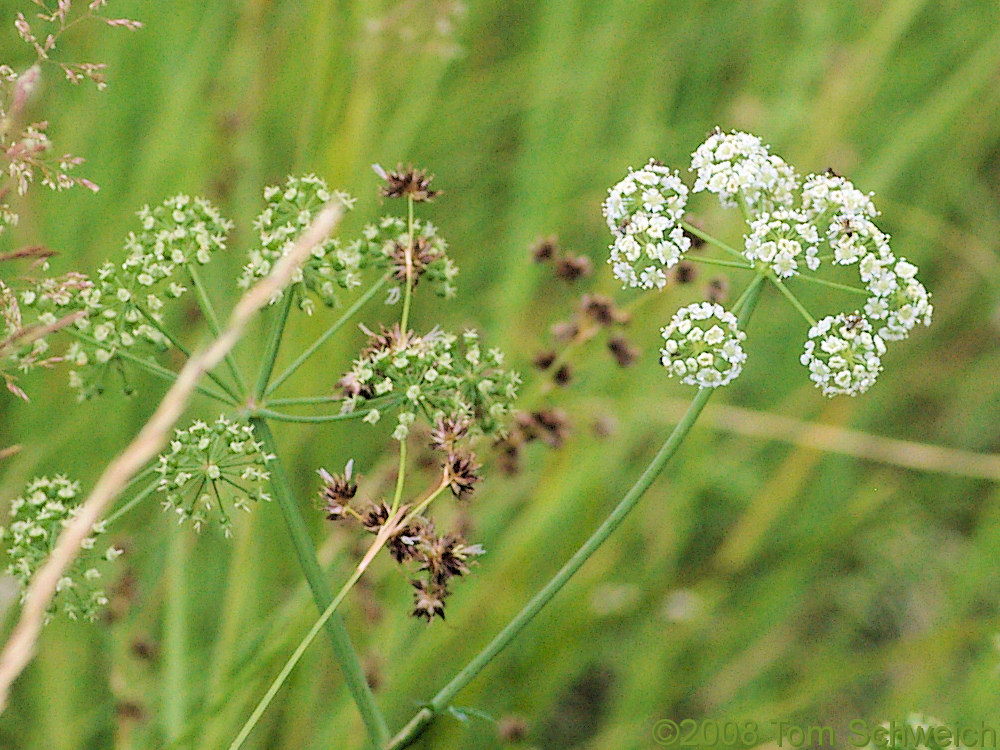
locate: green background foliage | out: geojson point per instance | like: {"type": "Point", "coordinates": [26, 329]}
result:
{"type": "Point", "coordinates": [759, 579]}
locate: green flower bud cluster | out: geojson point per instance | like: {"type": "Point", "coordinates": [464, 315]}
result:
{"type": "Point", "coordinates": [289, 210]}
{"type": "Point", "coordinates": [437, 375]}
{"type": "Point", "coordinates": [211, 468]}
{"type": "Point", "coordinates": [387, 241]}
{"type": "Point", "coordinates": [122, 309]}
{"type": "Point", "coordinates": [37, 518]}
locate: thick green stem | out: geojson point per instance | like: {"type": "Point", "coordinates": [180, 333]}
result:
{"type": "Point", "coordinates": [213, 321]}
{"type": "Point", "coordinates": [378, 730]}
{"type": "Point", "coordinates": [273, 344]}
{"type": "Point", "coordinates": [443, 699]}
{"type": "Point", "coordinates": [384, 535]}
{"type": "Point", "coordinates": [348, 314]}
{"type": "Point", "coordinates": [175, 683]}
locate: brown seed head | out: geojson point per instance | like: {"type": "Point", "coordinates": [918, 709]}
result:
{"type": "Point", "coordinates": [544, 249]}
{"type": "Point", "coordinates": [428, 599]}
{"type": "Point", "coordinates": [717, 291]}
{"type": "Point", "coordinates": [573, 267]}
{"type": "Point", "coordinates": [544, 360]}
{"type": "Point", "coordinates": [624, 353]}
{"type": "Point", "coordinates": [448, 432]}
{"type": "Point", "coordinates": [407, 183]}
{"type": "Point", "coordinates": [601, 309]}
{"type": "Point", "coordinates": [461, 472]}
{"type": "Point", "coordinates": [421, 257]}
{"type": "Point", "coordinates": [685, 272]}
{"type": "Point", "coordinates": [337, 493]}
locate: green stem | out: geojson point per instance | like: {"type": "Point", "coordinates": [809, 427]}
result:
{"type": "Point", "coordinates": [278, 416]}
{"type": "Point", "coordinates": [384, 535]}
{"type": "Point", "coordinates": [711, 240]}
{"type": "Point", "coordinates": [378, 730]}
{"type": "Point", "coordinates": [408, 293]}
{"type": "Point", "coordinates": [213, 322]}
{"type": "Point", "coordinates": [175, 636]}
{"type": "Point", "coordinates": [348, 314]}
{"type": "Point", "coordinates": [273, 344]}
{"type": "Point", "coordinates": [303, 400]}
{"type": "Point", "coordinates": [719, 262]}
{"type": "Point", "coordinates": [122, 511]}
{"type": "Point", "coordinates": [154, 369]}
{"type": "Point", "coordinates": [793, 299]}
{"type": "Point", "coordinates": [400, 476]}
{"type": "Point", "coordinates": [833, 285]}
{"type": "Point", "coordinates": [443, 699]}
{"type": "Point", "coordinates": [177, 345]}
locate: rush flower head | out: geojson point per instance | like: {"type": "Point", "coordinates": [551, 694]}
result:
{"type": "Point", "coordinates": [387, 243]}
{"type": "Point", "coordinates": [37, 518]}
{"type": "Point", "coordinates": [739, 168]}
{"type": "Point", "coordinates": [406, 183]}
{"type": "Point", "coordinates": [643, 212]}
{"type": "Point", "coordinates": [338, 492]}
{"type": "Point", "coordinates": [843, 355]}
{"type": "Point", "coordinates": [211, 467]}
{"type": "Point", "coordinates": [703, 346]}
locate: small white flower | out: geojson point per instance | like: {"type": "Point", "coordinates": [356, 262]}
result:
{"type": "Point", "coordinates": [643, 212]}
{"type": "Point", "coordinates": [843, 355]}
{"type": "Point", "coordinates": [737, 164]}
{"type": "Point", "coordinates": [779, 239]}
{"type": "Point", "coordinates": [703, 346]}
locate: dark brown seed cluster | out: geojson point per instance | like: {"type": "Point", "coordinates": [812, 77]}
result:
{"type": "Point", "coordinates": [422, 255]}
{"type": "Point", "coordinates": [550, 426]}
{"type": "Point", "coordinates": [407, 183]}
{"type": "Point", "coordinates": [432, 559]}
{"type": "Point", "coordinates": [594, 313]}
{"type": "Point", "coordinates": [565, 266]}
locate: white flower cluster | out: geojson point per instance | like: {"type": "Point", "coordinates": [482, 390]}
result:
{"type": "Point", "coordinates": [703, 346]}
{"type": "Point", "coordinates": [180, 231]}
{"type": "Point", "coordinates": [211, 466]}
{"type": "Point", "coordinates": [843, 355]}
{"type": "Point", "coordinates": [643, 212]}
{"type": "Point", "coordinates": [793, 227]}
{"type": "Point", "coordinates": [123, 307]}
{"type": "Point", "coordinates": [387, 241]}
{"type": "Point", "coordinates": [38, 516]}
{"type": "Point", "coordinates": [290, 209]}
{"type": "Point", "coordinates": [739, 169]}
{"type": "Point", "coordinates": [780, 239]}
{"type": "Point", "coordinates": [29, 316]}
{"type": "Point", "coordinates": [431, 375]}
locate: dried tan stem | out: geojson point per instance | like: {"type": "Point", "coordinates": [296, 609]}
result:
{"type": "Point", "coordinates": [19, 649]}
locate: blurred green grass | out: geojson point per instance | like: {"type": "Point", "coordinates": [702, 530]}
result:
{"type": "Point", "coordinates": [757, 580]}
